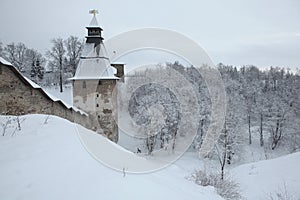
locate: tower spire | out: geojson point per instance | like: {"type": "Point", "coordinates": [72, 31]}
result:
{"type": "Point", "coordinates": [94, 30]}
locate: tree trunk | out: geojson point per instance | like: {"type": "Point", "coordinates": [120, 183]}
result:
{"type": "Point", "coordinates": [261, 139]}
{"type": "Point", "coordinates": [222, 172]}
{"type": "Point", "coordinates": [60, 76]}
{"type": "Point", "coordinates": [201, 132]}
{"type": "Point", "coordinates": [225, 152]}
{"type": "Point", "coordinates": [277, 134]}
{"type": "Point", "coordinates": [249, 129]}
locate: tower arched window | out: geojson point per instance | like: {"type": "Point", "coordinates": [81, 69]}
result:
{"type": "Point", "coordinates": [83, 84]}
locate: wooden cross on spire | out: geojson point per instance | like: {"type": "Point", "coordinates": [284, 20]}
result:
{"type": "Point", "coordinates": [94, 12]}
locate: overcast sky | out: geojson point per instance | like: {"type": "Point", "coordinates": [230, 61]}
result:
{"type": "Point", "coordinates": [259, 32]}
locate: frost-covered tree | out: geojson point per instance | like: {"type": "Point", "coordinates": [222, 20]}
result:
{"type": "Point", "coordinates": [37, 71]}
{"type": "Point", "coordinates": [36, 61]}
{"type": "Point", "coordinates": [262, 103]}
{"type": "Point", "coordinates": [267, 100]}
{"type": "Point", "coordinates": [250, 86]}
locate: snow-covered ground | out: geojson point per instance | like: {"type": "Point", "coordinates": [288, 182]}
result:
{"type": "Point", "coordinates": [48, 161]}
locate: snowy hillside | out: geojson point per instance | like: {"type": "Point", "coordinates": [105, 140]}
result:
{"type": "Point", "coordinates": [47, 161]}
{"type": "Point", "coordinates": [260, 179]}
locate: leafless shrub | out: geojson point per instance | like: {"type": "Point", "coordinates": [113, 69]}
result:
{"type": "Point", "coordinates": [282, 194]}
{"type": "Point", "coordinates": [227, 188]}
{"type": "Point", "coordinates": [11, 122]}
{"type": "Point", "coordinates": [46, 119]}
{"type": "Point", "coordinates": [5, 124]}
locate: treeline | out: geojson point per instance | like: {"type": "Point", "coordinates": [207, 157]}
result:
{"type": "Point", "coordinates": [54, 68]}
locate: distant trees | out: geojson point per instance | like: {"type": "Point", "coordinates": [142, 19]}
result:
{"type": "Point", "coordinates": [63, 58]}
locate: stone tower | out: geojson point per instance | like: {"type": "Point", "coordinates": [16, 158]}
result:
{"type": "Point", "coordinates": [94, 83]}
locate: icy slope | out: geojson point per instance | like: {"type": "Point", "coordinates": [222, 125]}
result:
{"type": "Point", "coordinates": [259, 180]}
{"type": "Point", "coordinates": [48, 161]}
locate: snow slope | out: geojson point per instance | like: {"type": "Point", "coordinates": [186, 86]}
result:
{"type": "Point", "coordinates": [48, 161]}
{"type": "Point", "coordinates": [260, 179]}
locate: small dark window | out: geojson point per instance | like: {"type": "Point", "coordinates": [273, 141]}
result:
{"type": "Point", "coordinates": [97, 95]}
{"type": "Point", "coordinates": [98, 116]}
{"type": "Point", "coordinates": [99, 83]}
{"type": "Point", "coordinates": [97, 105]}
{"type": "Point", "coordinates": [0, 69]}
{"type": "Point", "coordinates": [84, 84]}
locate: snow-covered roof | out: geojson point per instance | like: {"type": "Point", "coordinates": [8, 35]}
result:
{"type": "Point", "coordinates": [94, 68]}
{"type": "Point", "coordinates": [118, 63]}
{"type": "Point", "coordinates": [94, 64]}
{"type": "Point", "coordinates": [36, 86]}
{"type": "Point", "coordinates": [92, 51]}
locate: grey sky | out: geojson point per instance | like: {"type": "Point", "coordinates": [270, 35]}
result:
{"type": "Point", "coordinates": [259, 32]}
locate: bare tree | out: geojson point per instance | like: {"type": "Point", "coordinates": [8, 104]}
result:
{"type": "Point", "coordinates": [222, 154]}
{"type": "Point", "coordinates": [276, 130]}
{"type": "Point", "coordinates": [16, 54]}
{"type": "Point", "coordinates": [249, 112]}
{"type": "Point", "coordinates": [57, 57]}
{"type": "Point", "coordinates": [74, 48]}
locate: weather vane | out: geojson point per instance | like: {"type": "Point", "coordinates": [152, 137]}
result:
{"type": "Point", "coordinates": [94, 12]}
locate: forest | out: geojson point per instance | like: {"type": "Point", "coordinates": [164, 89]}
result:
{"type": "Point", "coordinates": [261, 105]}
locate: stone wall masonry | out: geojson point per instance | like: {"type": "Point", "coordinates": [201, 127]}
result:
{"type": "Point", "coordinates": [18, 97]}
